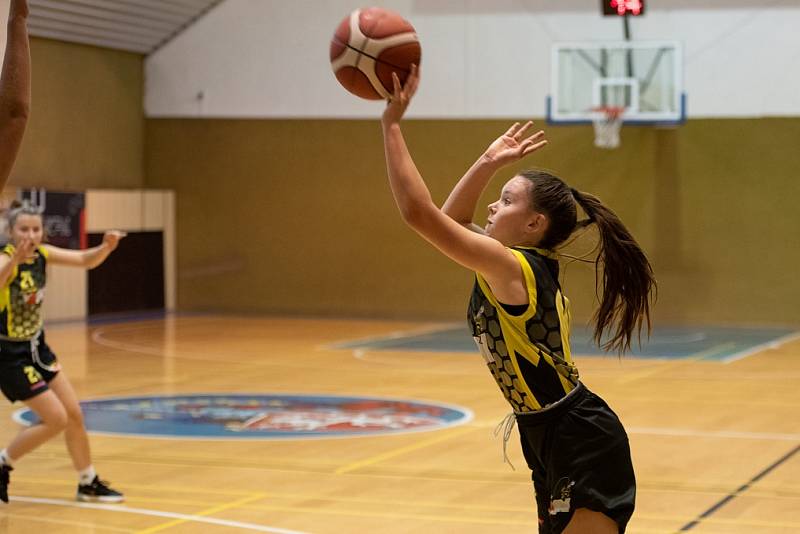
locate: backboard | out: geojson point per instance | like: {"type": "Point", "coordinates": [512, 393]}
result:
{"type": "Point", "coordinates": [644, 77]}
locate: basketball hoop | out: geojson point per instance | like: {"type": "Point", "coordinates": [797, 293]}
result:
{"type": "Point", "coordinates": [607, 122]}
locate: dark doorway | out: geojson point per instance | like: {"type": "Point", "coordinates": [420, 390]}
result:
{"type": "Point", "coordinates": [131, 278]}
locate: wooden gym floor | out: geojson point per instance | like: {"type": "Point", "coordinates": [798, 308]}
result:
{"type": "Point", "coordinates": [716, 445]}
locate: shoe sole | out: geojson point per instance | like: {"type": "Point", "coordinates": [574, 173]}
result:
{"type": "Point", "coordinates": [101, 499]}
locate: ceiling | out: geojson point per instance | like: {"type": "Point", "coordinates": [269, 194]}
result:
{"type": "Point", "coordinates": [134, 25]}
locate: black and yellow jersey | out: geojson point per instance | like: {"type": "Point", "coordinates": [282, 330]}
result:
{"type": "Point", "coordinates": [528, 354]}
{"type": "Point", "coordinates": [21, 298]}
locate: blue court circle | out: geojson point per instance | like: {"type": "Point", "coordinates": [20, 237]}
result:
{"type": "Point", "coordinates": [261, 416]}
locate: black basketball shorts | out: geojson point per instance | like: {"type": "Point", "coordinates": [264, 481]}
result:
{"type": "Point", "coordinates": [26, 367]}
{"type": "Point", "coordinates": [579, 456]}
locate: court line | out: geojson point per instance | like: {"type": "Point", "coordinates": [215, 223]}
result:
{"type": "Point", "coordinates": [774, 344]}
{"type": "Point", "coordinates": [527, 512]}
{"type": "Point", "coordinates": [98, 336]}
{"type": "Point", "coordinates": [528, 521]}
{"type": "Point", "coordinates": [397, 334]}
{"type": "Point", "coordinates": [210, 511]}
{"type": "Point", "coordinates": [732, 495]}
{"type": "Point", "coordinates": [402, 450]}
{"type": "Point", "coordinates": [156, 513]}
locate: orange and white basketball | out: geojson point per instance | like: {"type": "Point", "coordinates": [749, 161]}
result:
{"type": "Point", "coordinates": [370, 44]}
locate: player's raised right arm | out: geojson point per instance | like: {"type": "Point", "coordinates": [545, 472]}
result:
{"type": "Point", "coordinates": [478, 253]}
{"type": "Point", "coordinates": [15, 88]}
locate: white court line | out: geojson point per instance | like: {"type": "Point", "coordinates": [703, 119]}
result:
{"type": "Point", "coordinates": [98, 337]}
{"type": "Point", "coordinates": [773, 344]}
{"type": "Point", "coordinates": [655, 431]}
{"type": "Point", "coordinates": [398, 334]}
{"type": "Point", "coordinates": [157, 513]}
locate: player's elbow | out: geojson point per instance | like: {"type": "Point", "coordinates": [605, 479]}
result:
{"type": "Point", "coordinates": [17, 111]}
{"type": "Point", "coordinates": [413, 214]}
{"type": "Point", "coordinates": [419, 219]}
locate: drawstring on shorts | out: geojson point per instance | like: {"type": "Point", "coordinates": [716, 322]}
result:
{"type": "Point", "coordinates": [506, 426]}
{"type": "Point", "coordinates": [35, 355]}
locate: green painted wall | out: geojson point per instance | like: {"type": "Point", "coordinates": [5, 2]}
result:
{"type": "Point", "coordinates": [295, 216]}
{"type": "Point", "coordinates": [87, 127]}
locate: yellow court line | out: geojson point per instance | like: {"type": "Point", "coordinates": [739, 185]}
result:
{"type": "Point", "coordinates": [402, 450]}
{"type": "Point", "coordinates": [316, 510]}
{"type": "Point", "coordinates": [210, 511]}
{"type": "Point", "coordinates": [529, 517]}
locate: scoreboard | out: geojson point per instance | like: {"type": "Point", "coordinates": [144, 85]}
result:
{"type": "Point", "coordinates": [622, 7]}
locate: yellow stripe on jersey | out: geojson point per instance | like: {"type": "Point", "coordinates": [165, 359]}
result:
{"type": "Point", "coordinates": [518, 334]}
{"type": "Point", "coordinates": [5, 293]}
{"type": "Point", "coordinates": [513, 327]}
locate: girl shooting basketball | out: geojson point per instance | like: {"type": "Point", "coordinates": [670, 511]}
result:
{"type": "Point", "coordinates": [572, 441]}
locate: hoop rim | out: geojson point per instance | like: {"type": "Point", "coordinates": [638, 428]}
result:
{"type": "Point", "coordinates": [609, 112]}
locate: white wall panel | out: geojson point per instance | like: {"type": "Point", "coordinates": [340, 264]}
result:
{"type": "Point", "coordinates": [481, 58]}
{"type": "Point", "coordinates": [66, 292]}
{"type": "Point", "coordinates": [153, 210]}
{"type": "Point", "coordinates": [108, 209]}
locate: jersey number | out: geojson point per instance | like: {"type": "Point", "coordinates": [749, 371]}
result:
{"type": "Point", "coordinates": [32, 374]}
{"type": "Point", "coordinates": [26, 281]}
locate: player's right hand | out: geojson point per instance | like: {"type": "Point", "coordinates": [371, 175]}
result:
{"type": "Point", "coordinates": [401, 97]}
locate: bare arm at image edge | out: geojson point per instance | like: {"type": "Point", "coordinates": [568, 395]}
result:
{"type": "Point", "coordinates": [15, 88]}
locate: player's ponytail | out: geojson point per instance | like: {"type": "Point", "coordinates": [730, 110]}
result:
{"type": "Point", "coordinates": [627, 277]}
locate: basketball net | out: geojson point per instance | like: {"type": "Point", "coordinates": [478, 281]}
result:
{"type": "Point", "coordinates": [607, 123]}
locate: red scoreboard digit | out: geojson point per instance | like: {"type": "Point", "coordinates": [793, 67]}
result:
{"type": "Point", "coordinates": [623, 7]}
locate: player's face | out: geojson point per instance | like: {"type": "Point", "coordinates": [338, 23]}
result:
{"type": "Point", "coordinates": [27, 227]}
{"type": "Point", "coordinates": [511, 214]}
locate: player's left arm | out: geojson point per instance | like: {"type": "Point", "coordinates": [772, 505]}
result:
{"type": "Point", "coordinates": [89, 258]}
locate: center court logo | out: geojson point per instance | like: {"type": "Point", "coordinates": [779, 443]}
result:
{"type": "Point", "coordinates": [261, 416]}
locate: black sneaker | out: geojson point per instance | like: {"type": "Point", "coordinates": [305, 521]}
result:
{"type": "Point", "coordinates": [4, 471]}
{"type": "Point", "coordinates": [98, 491]}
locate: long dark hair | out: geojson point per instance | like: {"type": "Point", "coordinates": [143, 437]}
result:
{"type": "Point", "coordinates": [627, 277]}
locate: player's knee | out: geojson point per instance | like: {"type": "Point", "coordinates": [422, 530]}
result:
{"type": "Point", "coordinates": [74, 416]}
{"type": "Point", "coordinates": [56, 419]}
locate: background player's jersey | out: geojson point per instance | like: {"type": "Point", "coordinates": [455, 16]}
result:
{"type": "Point", "coordinates": [21, 298]}
{"type": "Point", "coordinates": [529, 354]}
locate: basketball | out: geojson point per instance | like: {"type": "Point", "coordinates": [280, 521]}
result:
{"type": "Point", "coordinates": [368, 45]}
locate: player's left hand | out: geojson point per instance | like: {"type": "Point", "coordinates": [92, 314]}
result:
{"type": "Point", "coordinates": [515, 144]}
{"type": "Point", "coordinates": [401, 97]}
{"type": "Point", "coordinates": [112, 237]}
